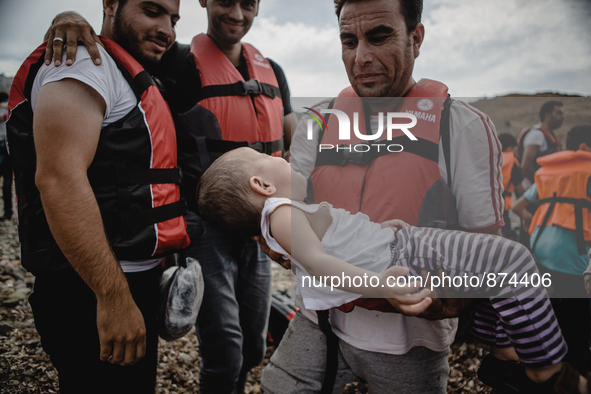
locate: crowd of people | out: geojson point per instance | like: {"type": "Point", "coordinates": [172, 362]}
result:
{"type": "Point", "coordinates": [172, 148]}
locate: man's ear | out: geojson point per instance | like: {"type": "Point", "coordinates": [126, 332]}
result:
{"type": "Point", "coordinates": [259, 185]}
{"type": "Point", "coordinates": [416, 37]}
{"type": "Point", "coordinates": [585, 147]}
{"type": "Point", "coordinates": [110, 6]}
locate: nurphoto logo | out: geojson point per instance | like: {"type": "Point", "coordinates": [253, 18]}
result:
{"type": "Point", "coordinates": [392, 122]}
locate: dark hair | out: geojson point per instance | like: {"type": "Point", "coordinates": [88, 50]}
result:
{"type": "Point", "coordinates": [223, 197]}
{"type": "Point", "coordinates": [121, 5]}
{"type": "Point", "coordinates": [411, 11]}
{"type": "Point", "coordinates": [507, 140]}
{"type": "Point", "coordinates": [578, 135]}
{"type": "Point", "coordinates": [3, 96]}
{"type": "Point", "coordinates": [548, 107]}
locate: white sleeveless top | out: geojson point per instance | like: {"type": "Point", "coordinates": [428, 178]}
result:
{"type": "Point", "coordinates": [352, 238]}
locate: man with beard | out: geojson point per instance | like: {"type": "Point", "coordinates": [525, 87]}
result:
{"type": "Point", "coordinates": [452, 178]}
{"type": "Point", "coordinates": [540, 140]}
{"type": "Point", "coordinates": [94, 154]}
{"type": "Point", "coordinates": [224, 94]}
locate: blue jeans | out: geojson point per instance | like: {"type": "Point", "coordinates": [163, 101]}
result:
{"type": "Point", "coordinates": [232, 322]}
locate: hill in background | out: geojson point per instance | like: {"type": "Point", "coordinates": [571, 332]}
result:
{"type": "Point", "coordinates": [513, 112]}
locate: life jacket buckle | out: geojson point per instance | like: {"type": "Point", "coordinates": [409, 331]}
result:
{"type": "Point", "coordinates": [252, 86]}
{"type": "Point", "coordinates": [259, 146]}
{"type": "Point", "coordinates": [350, 155]}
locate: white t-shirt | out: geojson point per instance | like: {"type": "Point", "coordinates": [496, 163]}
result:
{"type": "Point", "coordinates": [536, 137]}
{"type": "Point", "coordinates": [476, 162]}
{"type": "Point", "coordinates": [119, 98]}
{"type": "Point", "coordinates": [106, 79]}
{"type": "Point", "coordinates": [351, 238]}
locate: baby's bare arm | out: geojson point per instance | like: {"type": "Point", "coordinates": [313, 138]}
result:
{"type": "Point", "coordinates": [291, 229]}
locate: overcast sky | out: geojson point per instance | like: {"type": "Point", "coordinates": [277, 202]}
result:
{"type": "Point", "coordinates": [477, 47]}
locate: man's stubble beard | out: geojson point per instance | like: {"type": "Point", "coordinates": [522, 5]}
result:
{"type": "Point", "coordinates": [128, 39]}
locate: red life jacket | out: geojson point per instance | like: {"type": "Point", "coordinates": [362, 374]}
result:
{"type": "Point", "coordinates": [552, 141]}
{"type": "Point", "coordinates": [133, 175]}
{"type": "Point", "coordinates": [229, 113]}
{"type": "Point", "coordinates": [562, 183]}
{"type": "Point", "coordinates": [239, 120]}
{"type": "Point", "coordinates": [370, 186]}
{"type": "Point", "coordinates": [509, 161]}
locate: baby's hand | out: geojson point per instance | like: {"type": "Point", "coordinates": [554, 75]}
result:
{"type": "Point", "coordinates": [404, 298]}
{"type": "Point", "coordinates": [395, 225]}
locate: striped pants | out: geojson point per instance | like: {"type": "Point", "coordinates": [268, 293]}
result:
{"type": "Point", "coordinates": [517, 314]}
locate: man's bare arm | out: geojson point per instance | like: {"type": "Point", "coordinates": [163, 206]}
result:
{"type": "Point", "coordinates": [72, 28]}
{"type": "Point", "coordinates": [528, 164]}
{"type": "Point", "coordinates": [67, 123]}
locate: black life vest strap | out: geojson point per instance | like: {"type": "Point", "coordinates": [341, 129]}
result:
{"type": "Point", "coordinates": [122, 176]}
{"type": "Point", "coordinates": [140, 219]}
{"type": "Point", "coordinates": [424, 148]}
{"type": "Point", "coordinates": [222, 146]}
{"type": "Point", "coordinates": [332, 352]}
{"type": "Point", "coordinates": [240, 88]}
{"type": "Point", "coordinates": [141, 83]}
{"type": "Point", "coordinates": [579, 204]}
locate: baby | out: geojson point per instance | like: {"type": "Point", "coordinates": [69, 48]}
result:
{"type": "Point", "coordinates": [248, 193]}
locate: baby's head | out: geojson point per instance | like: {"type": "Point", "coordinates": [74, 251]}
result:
{"type": "Point", "coordinates": [232, 192]}
{"type": "Point", "coordinates": [224, 194]}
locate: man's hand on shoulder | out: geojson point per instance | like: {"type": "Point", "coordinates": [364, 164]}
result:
{"type": "Point", "coordinates": [69, 28]}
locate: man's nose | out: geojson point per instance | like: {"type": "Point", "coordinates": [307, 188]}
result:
{"type": "Point", "coordinates": [166, 28]}
{"type": "Point", "coordinates": [236, 12]}
{"type": "Point", "coordinates": [364, 53]}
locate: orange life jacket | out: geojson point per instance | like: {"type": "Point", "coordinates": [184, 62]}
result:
{"type": "Point", "coordinates": [134, 173]}
{"type": "Point", "coordinates": [225, 93]}
{"type": "Point", "coordinates": [509, 161]}
{"type": "Point", "coordinates": [562, 183]}
{"type": "Point", "coordinates": [229, 113]}
{"type": "Point", "coordinates": [370, 184]}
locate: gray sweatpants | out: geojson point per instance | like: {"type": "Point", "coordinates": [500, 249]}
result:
{"type": "Point", "coordinates": [298, 366]}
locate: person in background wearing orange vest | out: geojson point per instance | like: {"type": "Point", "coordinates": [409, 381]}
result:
{"type": "Point", "coordinates": [560, 235]}
{"type": "Point", "coordinates": [539, 140]}
{"type": "Point", "coordinates": [536, 141]}
{"type": "Point", "coordinates": [512, 178]}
